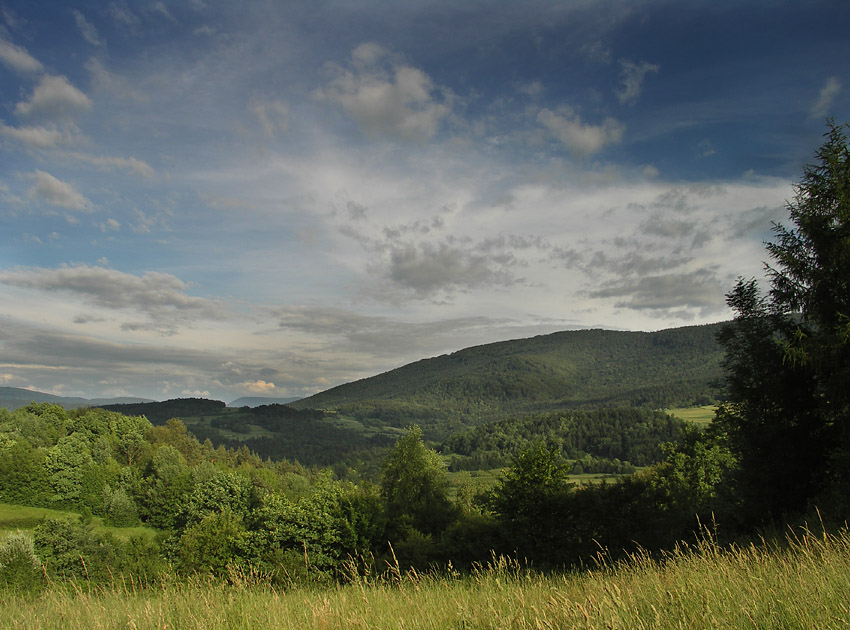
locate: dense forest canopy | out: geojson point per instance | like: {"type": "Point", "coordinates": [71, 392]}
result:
{"type": "Point", "coordinates": [585, 368]}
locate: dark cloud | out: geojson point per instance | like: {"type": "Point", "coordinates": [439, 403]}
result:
{"type": "Point", "coordinates": [87, 318]}
{"type": "Point", "coordinates": [428, 269]}
{"type": "Point", "coordinates": [408, 265]}
{"type": "Point", "coordinates": [161, 297]}
{"type": "Point", "coordinates": [383, 338]}
{"type": "Point", "coordinates": [699, 289]}
{"type": "Point", "coordinates": [25, 344]}
{"type": "Point", "coordinates": [756, 221]}
{"type": "Point", "coordinates": [48, 360]}
{"type": "Point", "coordinates": [632, 263]}
{"type": "Point", "coordinates": [669, 227]}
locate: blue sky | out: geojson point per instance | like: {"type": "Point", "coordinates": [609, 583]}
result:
{"type": "Point", "coordinates": [220, 199]}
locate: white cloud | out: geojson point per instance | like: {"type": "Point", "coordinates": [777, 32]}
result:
{"type": "Point", "coordinates": [87, 29]}
{"type": "Point", "coordinates": [273, 115]}
{"type": "Point", "coordinates": [122, 14]}
{"type": "Point", "coordinates": [54, 97]}
{"type": "Point", "coordinates": [110, 225]}
{"type": "Point", "coordinates": [130, 164]}
{"type": "Point", "coordinates": [632, 76]}
{"type": "Point", "coordinates": [826, 97]}
{"type": "Point", "coordinates": [18, 59]}
{"type": "Point", "coordinates": [580, 138]}
{"type": "Point", "coordinates": [258, 387]}
{"type": "Point", "coordinates": [49, 189]}
{"type": "Point", "coordinates": [38, 137]}
{"type": "Point", "coordinates": [387, 97]}
{"type": "Point", "coordinates": [159, 7]}
{"type": "Point", "coordinates": [112, 83]}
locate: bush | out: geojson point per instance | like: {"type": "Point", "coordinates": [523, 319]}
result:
{"type": "Point", "coordinates": [119, 508]}
{"type": "Point", "coordinates": [20, 567]}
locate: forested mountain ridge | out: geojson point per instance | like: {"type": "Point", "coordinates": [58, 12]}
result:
{"type": "Point", "coordinates": [515, 380]}
{"type": "Point", "coordinates": [13, 398]}
{"type": "Point", "coordinates": [571, 369]}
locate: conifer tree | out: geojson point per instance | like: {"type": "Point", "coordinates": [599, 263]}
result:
{"type": "Point", "coordinates": [788, 353]}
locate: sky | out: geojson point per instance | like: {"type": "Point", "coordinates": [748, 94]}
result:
{"type": "Point", "coordinates": [270, 198]}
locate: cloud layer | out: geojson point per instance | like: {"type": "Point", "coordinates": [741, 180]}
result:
{"type": "Point", "coordinates": [249, 198]}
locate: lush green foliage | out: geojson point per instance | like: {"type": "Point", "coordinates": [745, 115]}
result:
{"type": "Point", "coordinates": [311, 437]}
{"type": "Point", "coordinates": [605, 440]}
{"type": "Point", "coordinates": [217, 508]}
{"type": "Point", "coordinates": [414, 486]}
{"type": "Point", "coordinates": [161, 412]}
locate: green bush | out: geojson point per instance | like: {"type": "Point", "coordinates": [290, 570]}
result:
{"type": "Point", "coordinates": [20, 567]}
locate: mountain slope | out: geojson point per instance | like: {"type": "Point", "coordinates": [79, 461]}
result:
{"type": "Point", "coordinates": [15, 397]}
{"type": "Point", "coordinates": [585, 368]}
{"type": "Point", "coordinates": [259, 401]}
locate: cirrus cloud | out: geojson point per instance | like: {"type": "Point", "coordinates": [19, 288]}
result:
{"type": "Point", "coordinates": [631, 76]}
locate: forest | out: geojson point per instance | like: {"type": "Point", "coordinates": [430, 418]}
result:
{"type": "Point", "coordinates": [157, 503]}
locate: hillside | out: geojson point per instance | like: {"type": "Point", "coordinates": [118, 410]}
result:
{"type": "Point", "coordinates": [259, 401]}
{"type": "Point", "coordinates": [15, 397]}
{"type": "Point", "coordinates": [572, 369]}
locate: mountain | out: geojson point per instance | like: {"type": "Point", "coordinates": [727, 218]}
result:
{"type": "Point", "coordinates": [15, 397]}
{"type": "Point", "coordinates": [259, 401]}
{"type": "Point", "coordinates": [564, 370]}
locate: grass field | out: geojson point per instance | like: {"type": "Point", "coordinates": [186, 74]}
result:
{"type": "Point", "coordinates": [698, 415]}
{"type": "Point", "coordinates": [802, 584]}
{"type": "Point", "coordinates": [19, 517]}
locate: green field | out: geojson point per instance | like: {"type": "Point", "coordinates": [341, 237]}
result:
{"type": "Point", "coordinates": [698, 415]}
{"type": "Point", "coordinates": [802, 583]}
{"type": "Point", "coordinates": [19, 517]}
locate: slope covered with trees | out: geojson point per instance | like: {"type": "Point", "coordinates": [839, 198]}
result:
{"type": "Point", "coordinates": [572, 369]}
{"type": "Point", "coordinates": [611, 440]}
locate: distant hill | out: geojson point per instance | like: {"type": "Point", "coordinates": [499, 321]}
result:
{"type": "Point", "coordinates": [161, 412]}
{"type": "Point", "coordinates": [564, 370]}
{"type": "Point", "coordinates": [15, 397]}
{"type": "Point", "coordinates": [258, 401]}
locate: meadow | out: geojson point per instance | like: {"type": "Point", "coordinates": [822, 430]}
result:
{"type": "Point", "coordinates": [24, 518]}
{"type": "Point", "coordinates": [801, 581]}
{"type": "Point", "coordinates": [702, 415]}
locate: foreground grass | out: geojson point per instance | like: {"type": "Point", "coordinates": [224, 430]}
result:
{"type": "Point", "coordinates": [804, 584]}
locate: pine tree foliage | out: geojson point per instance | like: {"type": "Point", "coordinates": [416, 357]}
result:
{"type": "Point", "coordinates": [788, 353]}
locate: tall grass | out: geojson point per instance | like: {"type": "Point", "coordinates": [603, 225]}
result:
{"type": "Point", "coordinates": [803, 583]}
